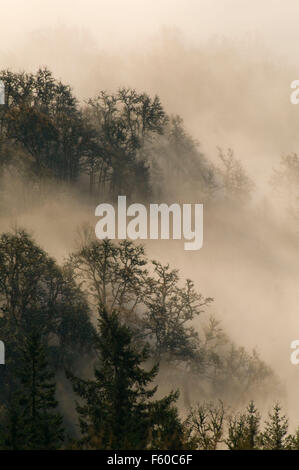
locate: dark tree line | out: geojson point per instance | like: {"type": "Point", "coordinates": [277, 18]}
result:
{"type": "Point", "coordinates": [114, 144]}
{"type": "Point", "coordinates": [61, 139]}
{"type": "Point", "coordinates": [212, 426]}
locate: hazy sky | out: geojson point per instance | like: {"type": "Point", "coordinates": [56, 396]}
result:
{"type": "Point", "coordinates": [85, 43]}
{"type": "Point", "coordinates": [118, 22]}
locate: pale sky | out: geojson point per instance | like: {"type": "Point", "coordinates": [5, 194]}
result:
{"type": "Point", "coordinates": [121, 23]}
{"type": "Point", "coordinates": [254, 114]}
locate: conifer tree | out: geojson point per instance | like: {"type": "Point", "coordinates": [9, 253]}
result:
{"type": "Point", "coordinates": [12, 435]}
{"type": "Point", "coordinates": [116, 409]}
{"type": "Point", "coordinates": [253, 422]}
{"type": "Point", "coordinates": [36, 398]}
{"type": "Point", "coordinates": [243, 430]}
{"type": "Point", "coordinates": [292, 441]}
{"type": "Point", "coordinates": [275, 435]}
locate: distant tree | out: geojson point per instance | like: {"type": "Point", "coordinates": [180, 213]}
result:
{"type": "Point", "coordinates": [112, 274]}
{"type": "Point", "coordinates": [285, 182]}
{"type": "Point", "coordinates": [43, 116]}
{"type": "Point", "coordinates": [178, 163]}
{"type": "Point", "coordinates": [124, 121]}
{"type": "Point", "coordinates": [236, 183]}
{"type": "Point", "coordinates": [233, 371]}
{"type": "Point", "coordinates": [169, 310]}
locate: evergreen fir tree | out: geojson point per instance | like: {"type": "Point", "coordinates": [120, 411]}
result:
{"type": "Point", "coordinates": [275, 435]}
{"type": "Point", "coordinates": [243, 430]}
{"type": "Point", "coordinates": [12, 435]}
{"type": "Point", "coordinates": [36, 398]}
{"type": "Point", "coordinates": [117, 410]}
{"type": "Point", "coordinates": [253, 419]}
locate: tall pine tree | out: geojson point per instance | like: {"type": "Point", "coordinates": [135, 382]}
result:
{"type": "Point", "coordinates": [117, 410]}
{"type": "Point", "coordinates": [275, 435]}
{"type": "Point", "coordinates": [32, 419]}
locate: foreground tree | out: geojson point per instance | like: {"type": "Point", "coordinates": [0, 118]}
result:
{"type": "Point", "coordinates": [243, 430]}
{"type": "Point", "coordinates": [117, 410]}
{"type": "Point", "coordinates": [37, 295]}
{"type": "Point", "coordinates": [32, 421]}
{"type": "Point", "coordinates": [274, 436]}
{"type": "Point", "coordinates": [206, 425]}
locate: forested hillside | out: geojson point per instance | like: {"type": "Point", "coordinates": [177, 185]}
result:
{"type": "Point", "coordinates": [85, 339]}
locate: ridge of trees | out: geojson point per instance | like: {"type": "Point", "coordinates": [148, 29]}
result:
{"type": "Point", "coordinates": [115, 143]}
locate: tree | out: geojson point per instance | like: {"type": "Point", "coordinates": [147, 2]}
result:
{"type": "Point", "coordinates": [42, 115]}
{"type": "Point", "coordinates": [285, 181]}
{"type": "Point", "coordinates": [253, 422]}
{"type": "Point", "coordinates": [292, 441]}
{"type": "Point", "coordinates": [12, 435]}
{"type": "Point", "coordinates": [236, 183]}
{"type": "Point", "coordinates": [169, 308]}
{"type": "Point", "coordinates": [37, 295]}
{"type": "Point", "coordinates": [206, 425]}
{"type": "Point", "coordinates": [166, 430]}
{"type": "Point", "coordinates": [236, 432]}
{"type": "Point", "coordinates": [234, 372]}
{"type": "Point", "coordinates": [33, 422]}
{"type": "Point", "coordinates": [112, 275]}
{"type": "Point", "coordinates": [176, 157]}
{"type": "Point", "coordinates": [116, 409]}
{"type": "Point", "coordinates": [156, 307]}
{"type": "Point", "coordinates": [243, 430]}
{"type": "Point", "coordinates": [274, 436]}
{"type": "Point", "coordinates": [124, 121]}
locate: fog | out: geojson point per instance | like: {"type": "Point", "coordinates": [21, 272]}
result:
{"type": "Point", "coordinates": [226, 68]}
